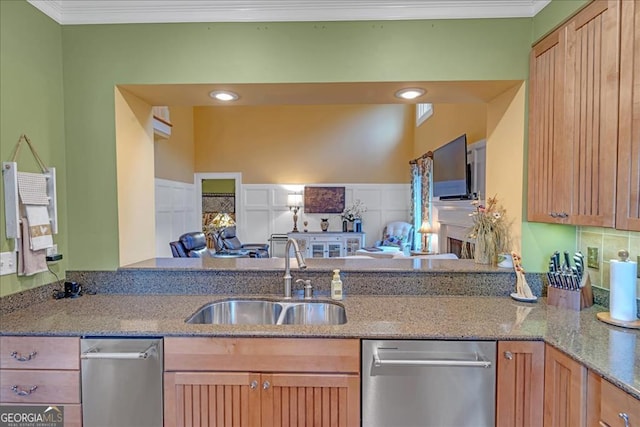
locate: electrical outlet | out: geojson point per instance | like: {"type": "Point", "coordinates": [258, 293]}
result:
{"type": "Point", "coordinates": [8, 263]}
{"type": "Point", "coordinates": [52, 250]}
{"type": "Point", "coordinates": [592, 258]}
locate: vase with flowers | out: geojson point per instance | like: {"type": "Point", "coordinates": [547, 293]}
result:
{"type": "Point", "coordinates": [490, 232]}
{"type": "Point", "coordinates": [352, 216]}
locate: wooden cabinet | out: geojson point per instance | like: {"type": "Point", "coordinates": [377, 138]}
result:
{"type": "Point", "coordinates": [617, 408]}
{"type": "Point", "coordinates": [628, 195]}
{"type": "Point", "coordinates": [520, 383]}
{"type": "Point", "coordinates": [565, 390]}
{"type": "Point", "coordinates": [261, 382]}
{"type": "Point", "coordinates": [42, 370]}
{"type": "Point", "coordinates": [328, 244]}
{"type": "Point", "coordinates": [573, 127]}
{"type": "Point", "coordinates": [548, 175]}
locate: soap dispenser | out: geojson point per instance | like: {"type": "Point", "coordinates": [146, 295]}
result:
{"type": "Point", "coordinates": [336, 286]}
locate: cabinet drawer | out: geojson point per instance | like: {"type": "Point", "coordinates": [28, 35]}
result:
{"type": "Point", "coordinates": [262, 354]}
{"type": "Point", "coordinates": [614, 402]}
{"type": "Point", "coordinates": [52, 386]}
{"type": "Point", "coordinates": [39, 353]}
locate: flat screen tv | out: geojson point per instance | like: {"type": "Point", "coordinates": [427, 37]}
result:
{"type": "Point", "coordinates": [450, 172]}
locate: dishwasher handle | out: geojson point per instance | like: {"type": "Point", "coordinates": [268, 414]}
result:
{"type": "Point", "coordinates": [478, 362]}
{"type": "Point", "coordinates": [95, 353]}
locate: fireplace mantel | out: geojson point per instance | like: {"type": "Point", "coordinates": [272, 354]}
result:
{"type": "Point", "coordinates": [452, 220]}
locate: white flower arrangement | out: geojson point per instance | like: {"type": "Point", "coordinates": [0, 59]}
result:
{"type": "Point", "coordinates": [354, 211]}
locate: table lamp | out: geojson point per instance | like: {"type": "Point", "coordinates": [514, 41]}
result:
{"type": "Point", "coordinates": [426, 231]}
{"type": "Point", "coordinates": [294, 201]}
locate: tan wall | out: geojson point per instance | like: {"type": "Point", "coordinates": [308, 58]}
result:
{"type": "Point", "coordinates": [449, 121]}
{"type": "Point", "coordinates": [174, 156]}
{"type": "Point", "coordinates": [136, 200]}
{"type": "Point", "coordinates": [306, 144]}
{"type": "Point", "coordinates": [505, 155]}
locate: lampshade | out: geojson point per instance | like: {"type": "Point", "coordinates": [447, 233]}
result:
{"type": "Point", "coordinates": [425, 228]}
{"type": "Point", "coordinates": [294, 200]}
{"type": "Point", "coordinates": [222, 220]}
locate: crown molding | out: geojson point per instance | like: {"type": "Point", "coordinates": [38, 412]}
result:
{"type": "Point", "coordinates": [76, 12]}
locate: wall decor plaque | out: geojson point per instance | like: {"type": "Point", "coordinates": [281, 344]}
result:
{"type": "Point", "coordinates": [324, 199]}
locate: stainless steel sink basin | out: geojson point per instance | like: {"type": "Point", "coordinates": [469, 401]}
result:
{"type": "Point", "coordinates": [314, 313]}
{"type": "Point", "coordinates": [266, 312]}
{"type": "Point", "coordinates": [238, 312]}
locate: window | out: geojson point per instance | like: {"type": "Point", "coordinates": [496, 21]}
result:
{"type": "Point", "coordinates": [423, 112]}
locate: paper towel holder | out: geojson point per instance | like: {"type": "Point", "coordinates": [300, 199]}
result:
{"type": "Point", "coordinates": [606, 315]}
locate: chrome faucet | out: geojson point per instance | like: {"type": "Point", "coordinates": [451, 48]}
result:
{"type": "Point", "coordinates": [287, 264]}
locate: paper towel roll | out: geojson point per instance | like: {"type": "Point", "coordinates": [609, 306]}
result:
{"type": "Point", "coordinates": [622, 299]}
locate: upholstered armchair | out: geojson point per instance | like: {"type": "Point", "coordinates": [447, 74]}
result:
{"type": "Point", "coordinates": [226, 241]}
{"type": "Point", "coordinates": [191, 245]}
{"type": "Point", "coordinates": [399, 234]}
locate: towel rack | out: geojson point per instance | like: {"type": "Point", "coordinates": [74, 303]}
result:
{"type": "Point", "coordinates": [11, 195]}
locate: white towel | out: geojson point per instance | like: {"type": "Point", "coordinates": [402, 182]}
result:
{"type": "Point", "coordinates": [39, 236]}
{"type": "Point", "coordinates": [30, 262]}
{"type": "Point", "coordinates": [33, 195]}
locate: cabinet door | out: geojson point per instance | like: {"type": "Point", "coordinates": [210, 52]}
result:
{"type": "Point", "coordinates": [334, 250]}
{"type": "Point", "coordinates": [549, 186]}
{"type": "Point", "coordinates": [565, 390]}
{"type": "Point", "coordinates": [317, 250]}
{"type": "Point", "coordinates": [520, 383]}
{"type": "Point", "coordinates": [628, 205]}
{"type": "Point", "coordinates": [211, 399]}
{"type": "Point", "coordinates": [310, 399]}
{"type": "Point", "coordinates": [591, 88]}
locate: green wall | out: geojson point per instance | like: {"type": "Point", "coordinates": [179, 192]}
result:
{"type": "Point", "coordinates": [100, 56]}
{"type": "Point", "coordinates": [31, 99]}
{"type": "Point", "coordinates": [220, 186]}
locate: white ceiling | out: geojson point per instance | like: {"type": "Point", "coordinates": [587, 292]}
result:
{"type": "Point", "coordinates": [74, 12]}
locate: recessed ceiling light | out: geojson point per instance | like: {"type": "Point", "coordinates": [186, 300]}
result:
{"type": "Point", "coordinates": [410, 93]}
{"type": "Point", "coordinates": [223, 95]}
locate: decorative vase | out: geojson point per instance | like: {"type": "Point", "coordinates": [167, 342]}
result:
{"type": "Point", "coordinates": [357, 225]}
{"type": "Point", "coordinates": [350, 226]}
{"type": "Point", "coordinates": [483, 252]}
{"type": "Point", "coordinates": [324, 224]}
{"type": "Point", "coordinates": [344, 226]}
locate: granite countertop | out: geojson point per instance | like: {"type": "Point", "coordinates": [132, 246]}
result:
{"type": "Point", "coordinates": [608, 350]}
{"type": "Point", "coordinates": [407, 264]}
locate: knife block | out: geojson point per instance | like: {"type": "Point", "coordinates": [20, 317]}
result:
{"type": "Point", "coordinates": [572, 300]}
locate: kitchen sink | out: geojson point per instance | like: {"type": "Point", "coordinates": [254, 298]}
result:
{"type": "Point", "coordinates": [267, 312]}
{"type": "Point", "coordinates": [314, 313]}
{"type": "Point", "coordinates": [238, 312]}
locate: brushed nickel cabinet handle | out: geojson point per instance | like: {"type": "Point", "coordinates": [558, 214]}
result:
{"type": "Point", "coordinates": [21, 358]}
{"type": "Point", "coordinates": [625, 418]}
{"type": "Point", "coordinates": [266, 385]}
{"type": "Point", "coordinates": [508, 355]}
{"type": "Point", "coordinates": [20, 392]}
{"type": "Point", "coordinates": [253, 385]}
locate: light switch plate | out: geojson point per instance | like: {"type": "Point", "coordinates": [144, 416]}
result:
{"type": "Point", "coordinates": [8, 263]}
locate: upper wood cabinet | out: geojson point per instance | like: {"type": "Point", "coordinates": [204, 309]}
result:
{"type": "Point", "coordinates": [573, 126]}
{"type": "Point", "coordinates": [628, 206]}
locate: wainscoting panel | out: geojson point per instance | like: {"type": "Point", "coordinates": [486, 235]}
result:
{"type": "Point", "coordinates": [175, 213]}
{"type": "Point", "coordinates": [266, 213]}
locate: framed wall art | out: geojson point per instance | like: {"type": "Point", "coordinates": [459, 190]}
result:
{"type": "Point", "coordinates": [324, 199]}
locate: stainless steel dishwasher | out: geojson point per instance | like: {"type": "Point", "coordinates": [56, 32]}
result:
{"type": "Point", "coordinates": [428, 383]}
{"type": "Point", "coordinates": [121, 382]}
